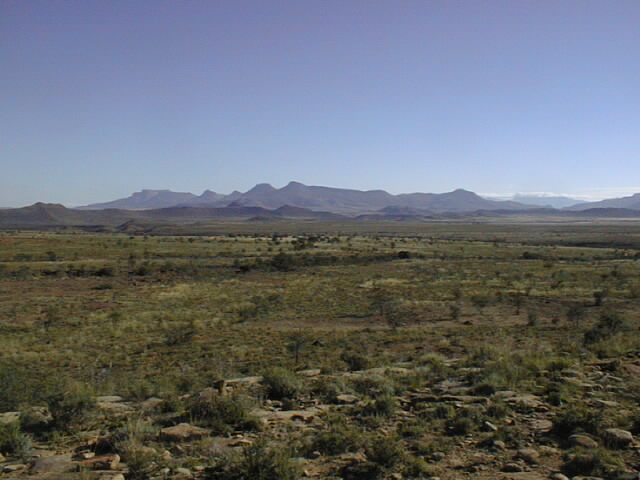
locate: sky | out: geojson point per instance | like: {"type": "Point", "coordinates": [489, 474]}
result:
{"type": "Point", "coordinates": [99, 99]}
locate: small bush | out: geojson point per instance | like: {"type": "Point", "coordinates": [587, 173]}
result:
{"type": "Point", "coordinates": [257, 462]}
{"type": "Point", "coordinates": [355, 361]}
{"type": "Point", "coordinates": [373, 385]}
{"type": "Point", "coordinates": [464, 422]}
{"type": "Point", "coordinates": [14, 442]}
{"type": "Point", "coordinates": [609, 325]}
{"type": "Point", "coordinates": [385, 451]}
{"type": "Point", "coordinates": [71, 406]}
{"type": "Point", "coordinates": [130, 441]}
{"type": "Point", "coordinates": [577, 419]}
{"type": "Point", "coordinates": [598, 462]}
{"type": "Point", "coordinates": [383, 406]}
{"type": "Point", "coordinates": [281, 383]}
{"type": "Point", "coordinates": [223, 414]}
{"type": "Point", "coordinates": [339, 438]}
{"type": "Point", "coordinates": [328, 389]}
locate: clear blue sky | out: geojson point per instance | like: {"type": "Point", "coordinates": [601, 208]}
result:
{"type": "Point", "coordinates": [102, 98]}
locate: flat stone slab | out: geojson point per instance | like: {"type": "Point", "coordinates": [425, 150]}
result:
{"type": "Point", "coordinates": [54, 464]}
{"type": "Point", "coordinates": [183, 432]}
{"type": "Point", "coordinates": [109, 399]}
{"type": "Point", "coordinates": [102, 462]}
{"type": "Point", "coordinates": [244, 381]}
{"type": "Point", "coordinates": [9, 417]}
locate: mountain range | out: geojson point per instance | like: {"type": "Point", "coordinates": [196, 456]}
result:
{"type": "Point", "coordinates": [336, 200]}
{"type": "Point", "coordinates": [354, 202]}
{"type": "Point", "coordinates": [297, 201]}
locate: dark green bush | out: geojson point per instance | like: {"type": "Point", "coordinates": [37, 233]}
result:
{"type": "Point", "coordinates": [609, 325]}
{"type": "Point", "coordinates": [339, 438]}
{"type": "Point", "coordinates": [223, 414]}
{"type": "Point", "coordinates": [596, 462]}
{"type": "Point", "coordinates": [355, 361]}
{"type": "Point", "coordinates": [385, 451]}
{"type": "Point", "coordinates": [71, 405]}
{"type": "Point", "coordinates": [281, 383]}
{"type": "Point", "coordinates": [257, 462]}
{"type": "Point", "coordinates": [382, 406]}
{"type": "Point", "coordinates": [14, 442]}
{"type": "Point", "coordinates": [577, 418]}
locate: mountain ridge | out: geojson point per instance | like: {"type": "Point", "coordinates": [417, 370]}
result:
{"type": "Point", "coordinates": [295, 194]}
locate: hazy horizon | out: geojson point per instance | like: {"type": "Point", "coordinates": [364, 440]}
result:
{"type": "Point", "coordinates": [102, 99]}
{"type": "Point", "coordinates": [595, 195]}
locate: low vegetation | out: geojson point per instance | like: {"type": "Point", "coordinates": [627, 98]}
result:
{"type": "Point", "coordinates": [396, 351]}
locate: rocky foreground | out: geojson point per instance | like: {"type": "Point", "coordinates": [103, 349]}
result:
{"type": "Point", "coordinates": [444, 419]}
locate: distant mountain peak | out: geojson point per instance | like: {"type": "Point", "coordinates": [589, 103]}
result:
{"type": "Point", "coordinates": [262, 188]}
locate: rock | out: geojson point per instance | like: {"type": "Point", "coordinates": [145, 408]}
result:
{"type": "Point", "coordinates": [184, 472]}
{"type": "Point", "coordinates": [548, 451]}
{"type": "Point", "coordinates": [109, 399]}
{"type": "Point", "coordinates": [347, 399]}
{"type": "Point", "coordinates": [438, 456]}
{"type": "Point", "coordinates": [9, 417]}
{"type": "Point", "coordinates": [279, 417]}
{"type": "Point", "coordinates": [54, 464]}
{"type": "Point", "coordinates": [579, 440]}
{"type": "Point", "coordinates": [529, 455]}
{"type": "Point", "coordinates": [240, 442]}
{"type": "Point", "coordinates": [542, 425]}
{"type": "Point", "coordinates": [14, 467]}
{"type": "Point", "coordinates": [499, 445]}
{"type": "Point", "coordinates": [151, 404]}
{"type": "Point", "coordinates": [605, 403]}
{"type": "Point", "coordinates": [117, 408]}
{"type": "Point", "coordinates": [617, 438]}
{"type": "Point", "coordinates": [558, 476]}
{"type": "Point", "coordinates": [111, 476]}
{"type": "Point", "coordinates": [2, 458]}
{"type": "Point", "coordinates": [243, 381]}
{"type": "Point", "coordinates": [183, 432]}
{"type": "Point", "coordinates": [102, 462]}
{"type": "Point", "coordinates": [312, 372]}
{"type": "Point", "coordinates": [511, 468]}
{"type": "Point", "coordinates": [527, 402]}
{"type": "Point", "coordinates": [490, 426]}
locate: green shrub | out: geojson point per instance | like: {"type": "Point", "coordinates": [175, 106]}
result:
{"type": "Point", "coordinates": [373, 385]}
{"type": "Point", "coordinates": [339, 438]}
{"type": "Point", "coordinates": [281, 383]}
{"type": "Point", "coordinates": [416, 467]}
{"type": "Point", "coordinates": [464, 422]}
{"type": "Point", "coordinates": [71, 406]}
{"type": "Point", "coordinates": [609, 325]}
{"type": "Point", "coordinates": [596, 462]}
{"type": "Point", "coordinates": [355, 361]}
{"type": "Point", "coordinates": [578, 418]}
{"type": "Point", "coordinates": [223, 414]}
{"type": "Point", "coordinates": [382, 406]}
{"type": "Point", "coordinates": [328, 388]}
{"type": "Point", "coordinates": [385, 451]}
{"type": "Point", "coordinates": [129, 441]}
{"type": "Point", "coordinates": [257, 462]}
{"type": "Point", "coordinates": [14, 442]}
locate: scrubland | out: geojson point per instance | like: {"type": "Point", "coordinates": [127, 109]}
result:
{"type": "Point", "coordinates": [324, 351]}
